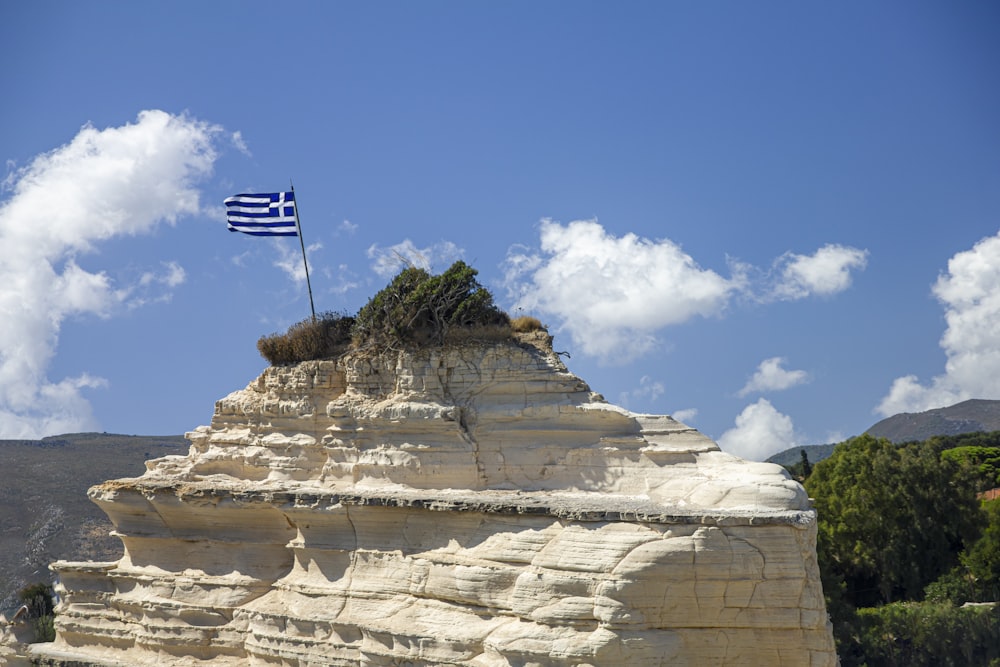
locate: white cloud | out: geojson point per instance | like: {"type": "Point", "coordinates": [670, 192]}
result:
{"type": "Point", "coordinates": [239, 143]}
{"type": "Point", "coordinates": [685, 416]}
{"type": "Point", "coordinates": [61, 409]}
{"type": "Point", "coordinates": [824, 273]}
{"type": "Point", "coordinates": [242, 258]}
{"type": "Point", "coordinates": [172, 276]}
{"type": "Point", "coordinates": [150, 287]}
{"type": "Point", "coordinates": [970, 294]}
{"type": "Point", "coordinates": [290, 259]}
{"type": "Point", "coordinates": [346, 227]}
{"type": "Point", "coordinates": [760, 431]}
{"type": "Point", "coordinates": [612, 293]}
{"type": "Point", "coordinates": [390, 261]}
{"type": "Point", "coordinates": [770, 376]}
{"type": "Point", "coordinates": [120, 181]}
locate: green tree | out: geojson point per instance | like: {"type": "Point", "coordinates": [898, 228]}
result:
{"type": "Point", "coordinates": [417, 307]}
{"type": "Point", "coordinates": [924, 634]}
{"type": "Point", "coordinates": [986, 461]}
{"type": "Point", "coordinates": [805, 464]}
{"type": "Point", "coordinates": [38, 600]}
{"type": "Point", "coordinates": [977, 576]}
{"type": "Point", "coordinates": [892, 519]}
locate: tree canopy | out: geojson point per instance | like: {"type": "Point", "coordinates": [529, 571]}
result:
{"type": "Point", "coordinates": [892, 518]}
{"type": "Point", "coordinates": [417, 307]}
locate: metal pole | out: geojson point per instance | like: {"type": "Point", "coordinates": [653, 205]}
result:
{"type": "Point", "coordinates": [302, 243]}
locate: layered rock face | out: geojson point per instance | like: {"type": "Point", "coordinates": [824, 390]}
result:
{"type": "Point", "coordinates": [469, 505]}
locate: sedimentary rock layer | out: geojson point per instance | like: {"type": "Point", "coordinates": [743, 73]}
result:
{"type": "Point", "coordinates": [473, 505]}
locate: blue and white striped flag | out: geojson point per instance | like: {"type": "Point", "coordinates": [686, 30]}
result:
{"type": "Point", "coordinates": [264, 214]}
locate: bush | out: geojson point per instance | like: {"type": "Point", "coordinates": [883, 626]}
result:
{"type": "Point", "coordinates": [891, 519]}
{"type": "Point", "coordinates": [38, 599]}
{"type": "Point", "coordinates": [327, 336]}
{"type": "Point", "coordinates": [986, 461]}
{"type": "Point", "coordinates": [977, 576]}
{"type": "Point", "coordinates": [914, 634]}
{"type": "Point", "coordinates": [418, 308]}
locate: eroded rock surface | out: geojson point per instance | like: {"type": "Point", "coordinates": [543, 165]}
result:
{"type": "Point", "coordinates": [473, 505]}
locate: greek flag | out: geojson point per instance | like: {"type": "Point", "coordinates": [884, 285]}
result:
{"type": "Point", "coordinates": [265, 214]}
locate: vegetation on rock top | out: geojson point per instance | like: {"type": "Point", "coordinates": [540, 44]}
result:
{"type": "Point", "coordinates": [415, 309]}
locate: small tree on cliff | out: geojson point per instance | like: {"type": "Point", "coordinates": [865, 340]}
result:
{"type": "Point", "coordinates": [417, 307]}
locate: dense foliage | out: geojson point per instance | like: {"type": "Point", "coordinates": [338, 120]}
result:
{"type": "Point", "coordinates": [924, 634]}
{"type": "Point", "coordinates": [901, 522]}
{"type": "Point", "coordinates": [38, 601]}
{"type": "Point", "coordinates": [417, 307]}
{"type": "Point", "coordinates": [976, 578]}
{"type": "Point", "coordinates": [893, 518]}
{"type": "Point", "coordinates": [985, 458]}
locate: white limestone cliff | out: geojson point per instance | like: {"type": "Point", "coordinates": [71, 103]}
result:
{"type": "Point", "coordinates": [470, 505]}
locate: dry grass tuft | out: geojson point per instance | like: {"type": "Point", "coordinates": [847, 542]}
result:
{"type": "Point", "coordinates": [327, 336]}
{"type": "Point", "coordinates": [526, 323]}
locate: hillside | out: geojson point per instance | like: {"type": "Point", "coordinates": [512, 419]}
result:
{"type": "Point", "coordinates": [970, 416]}
{"type": "Point", "coordinates": [965, 417]}
{"type": "Point", "coordinates": [44, 511]}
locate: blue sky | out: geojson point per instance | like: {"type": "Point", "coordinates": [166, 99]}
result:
{"type": "Point", "coordinates": [777, 221]}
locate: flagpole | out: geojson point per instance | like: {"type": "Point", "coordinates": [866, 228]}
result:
{"type": "Point", "coordinates": [305, 263]}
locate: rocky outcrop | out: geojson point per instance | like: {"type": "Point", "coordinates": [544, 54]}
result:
{"type": "Point", "coordinates": [470, 505]}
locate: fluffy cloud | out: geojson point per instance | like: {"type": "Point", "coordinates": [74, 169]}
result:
{"type": "Point", "coordinates": [387, 262]}
{"type": "Point", "coordinates": [612, 293]}
{"type": "Point", "coordinates": [120, 181]}
{"type": "Point", "coordinates": [290, 259]}
{"type": "Point", "coordinates": [760, 431]}
{"type": "Point", "coordinates": [152, 286]}
{"type": "Point", "coordinates": [824, 273]}
{"type": "Point", "coordinates": [970, 294]}
{"type": "Point", "coordinates": [685, 416]}
{"type": "Point", "coordinates": [770, 376]}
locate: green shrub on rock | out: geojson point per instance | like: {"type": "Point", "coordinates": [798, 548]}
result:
{"type": "Point", "coordinates": [418, 308]}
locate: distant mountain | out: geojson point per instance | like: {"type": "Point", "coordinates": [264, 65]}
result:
{"type": "Point", "coordinates": [44, 511]}
{"type": "Point", "coordinates": [969, 416]}
{"type": "Point", "coordinates": [965, 417]}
